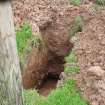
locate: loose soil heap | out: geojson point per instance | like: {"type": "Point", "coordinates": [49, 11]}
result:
{"type": "Point", "coordinates": [90, 50]}
{"type": "Point", "coordinates": [36, 12]}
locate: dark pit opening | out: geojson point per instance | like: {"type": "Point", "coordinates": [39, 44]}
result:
{"type": "Point", "coordinates": [49, 84]}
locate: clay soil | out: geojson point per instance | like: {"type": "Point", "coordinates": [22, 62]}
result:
{"type": "Point", "coordinates": [48, 85]}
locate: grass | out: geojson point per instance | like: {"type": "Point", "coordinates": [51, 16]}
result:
{"type": "Point", "coordinates": [25, 41]}
{"type": "Point", "coordinates": [23, 35]}
{"type": "Point", "coordinates": [71, 58]}
{"type": "Point", "coordinates": [31, 97]}
{"type": "Point", "coordinates": [71, 67]}
{"type": "Point", "coordinates": [100, 2]}
{"type": "Point", "coordinates": [77, 26]}
{"type": "Point", "coordinates": [75, 2]}
{"type": "Point", "coordinates": [65, 95]}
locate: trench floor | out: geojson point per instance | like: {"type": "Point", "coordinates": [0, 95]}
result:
{"type": "Point", "coordinates": [47, 86]}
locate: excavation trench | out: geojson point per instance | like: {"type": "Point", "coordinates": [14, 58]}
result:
{"type": "Point", "coordinates": [49, 82]}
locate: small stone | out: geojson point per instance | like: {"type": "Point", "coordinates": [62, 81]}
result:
{"type": "Point", "coordinates": [96, 71]}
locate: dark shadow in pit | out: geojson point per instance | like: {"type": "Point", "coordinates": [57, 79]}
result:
{"type": "Point", "coordinates": [48, 85]}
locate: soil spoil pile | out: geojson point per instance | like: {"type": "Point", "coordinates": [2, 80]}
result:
{"type": "Point", "coordinates": [90, 51]}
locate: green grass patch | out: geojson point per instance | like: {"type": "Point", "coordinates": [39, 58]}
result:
{"type": "Point", "coordinates": [100, 2]}
{"type": "Point", "coordinates": [77, 26]}
{"type": "Point", "coordinates": [23, 38]}
{"type": "Point", "coordinates": [65, 95]}
{"type": "Point", "coordinates": [72, 69]}
{"type": "Point", "coordinates": [31, 97]}
{"type": "Point", "coordinates": [71, 58]}
{"type": "Point", "coordinates": [98, 5]}
{"type": "Point", "coordinates": [75, 2]}
{"type": "Point", "coordinates": [71, 66]}
{"type": "Point", "coordinates": [23, 35]}
{"type": "Point", "coordinates": [25, 41]}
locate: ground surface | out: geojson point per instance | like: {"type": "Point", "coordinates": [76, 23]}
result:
{"type": "Point", "coordinates": [48, 86]}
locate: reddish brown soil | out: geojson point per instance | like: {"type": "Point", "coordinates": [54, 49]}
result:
{"type": "Point", "coordinates": [48, 86]}
{"type": "Point", "coordinates": [35, 70]}
{"type": "Point", "coordinates": [90, 52]}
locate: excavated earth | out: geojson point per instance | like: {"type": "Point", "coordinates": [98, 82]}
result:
{"type": "Point", "coordinates": [37, 12]}
{"type": "Point", "coordinates": [89, 47]}
{"type": "Point", "coordinates": [52, 20]}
